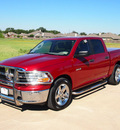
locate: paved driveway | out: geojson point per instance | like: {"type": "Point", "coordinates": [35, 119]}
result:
{"type": "Point", "coordinates": [98, 110]}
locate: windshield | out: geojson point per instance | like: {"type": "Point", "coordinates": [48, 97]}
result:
{"type": "Point", "coordinates": [54, 47]}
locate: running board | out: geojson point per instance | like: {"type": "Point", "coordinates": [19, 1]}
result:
{"type": "Point", "coordinates": [86, 89]}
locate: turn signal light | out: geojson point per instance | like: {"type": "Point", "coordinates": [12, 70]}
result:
{"type": "Point", "coordinates": [46, 79]}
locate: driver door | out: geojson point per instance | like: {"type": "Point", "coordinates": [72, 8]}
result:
{"type": "Point", "coordinates": [84, 65]}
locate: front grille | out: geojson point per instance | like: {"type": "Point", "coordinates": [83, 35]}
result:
{"type": "Point", "coordinates": [21, 77]}
{"type": "Point", "coordinates": [2, 73]}
{"type": "Point", "coordinates": [7, 75]}
{"type": "Point", "coordinates": [10, 75]}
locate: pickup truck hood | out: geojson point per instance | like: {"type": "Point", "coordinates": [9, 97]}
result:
{"type": "Point", "coordinates": [33, 61]}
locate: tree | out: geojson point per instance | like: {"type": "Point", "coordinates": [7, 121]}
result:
{"type": "Point", "coordinates": [9, 30]}
{"type": "Point", "coordinates": [18, 36]}
{"type": "Point", "coordinates": [31, 35]}
{"type": "Point", "coordinates": [42, 29]}
{"type": "Point", "coordinates": [53, 31]}
{"type": "Point", "coordinates": [19, 31]}
{"type": "Point", "coordinates": [1, 35]}
{"type": "Point", "coordinates": [83, 33]}
{"type": "Point", "coordinates": [74, 32]}
{"type": "Point", "coordinates": [31, 30]}
{"type": "Point", "coordinates": [102, 33]}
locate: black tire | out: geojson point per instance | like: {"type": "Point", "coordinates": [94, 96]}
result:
{"type": "Point", "coordinates": [52, 101]}
{"type": "Point", "coordinates": [112, 79]}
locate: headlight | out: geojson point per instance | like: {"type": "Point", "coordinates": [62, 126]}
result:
{"type": "Point", "coordinates": [37, 76]}
{"type": "Point", "coordinates": [34, 77]}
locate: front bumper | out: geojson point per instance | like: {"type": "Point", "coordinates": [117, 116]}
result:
{"type": "Point", "coordinates": [19, 97]}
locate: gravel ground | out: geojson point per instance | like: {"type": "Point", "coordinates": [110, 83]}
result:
{"type": "Point", "coordinates": [96, 110]}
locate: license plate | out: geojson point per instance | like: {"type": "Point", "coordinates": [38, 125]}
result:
{"type": "Point", "coordinates": [4, 91]}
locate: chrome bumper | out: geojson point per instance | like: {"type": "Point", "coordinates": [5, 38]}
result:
{"type": "Point", "coordinates": [19, 98]}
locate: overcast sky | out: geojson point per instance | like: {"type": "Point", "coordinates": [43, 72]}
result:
{"type": "Point", "coordinates": [64, 15]}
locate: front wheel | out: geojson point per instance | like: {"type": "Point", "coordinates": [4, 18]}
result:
{"type": "Point", "coordinates": [115, 77]}
{"type": "Point", "coordinates": [60, 95]}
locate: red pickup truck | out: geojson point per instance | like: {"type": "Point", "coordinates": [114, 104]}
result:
{"type": "Point", "coordinates": [56, 69]}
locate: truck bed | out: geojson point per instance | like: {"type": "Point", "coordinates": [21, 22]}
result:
{"type": "Point", "coordinates": [113, 49]}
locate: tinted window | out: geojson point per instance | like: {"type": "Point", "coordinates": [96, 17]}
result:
{"type": "Point", "coordinates": [54, 47]}
{"type": "Point", "coordinates": [83, 46]}
{"type": "Point", "coordinates": [97, 46]}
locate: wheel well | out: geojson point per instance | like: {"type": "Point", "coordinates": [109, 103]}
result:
{"type": "Point", "coordinates": [63, 76]}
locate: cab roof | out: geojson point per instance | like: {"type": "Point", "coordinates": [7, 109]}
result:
{"type": "Point", "coordinates": [73, 38]}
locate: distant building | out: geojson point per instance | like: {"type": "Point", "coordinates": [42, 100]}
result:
{"type": "Point", "coordinates": [37, 34]}
{"type": "Point", "coordinates": [93, 35]}
{"type": "Point", "coordinates": [110, 36]}
{"type": "Point", "coordinates": [59, 35]}
{"type": "Point", "coordinates": [11, 35]}
{"type": "Point", "coordinates": [44, 35]}
{"type": "Point", "coordinates": [71, 35]}
{"type": "Point", "coordinates": [48, 35]}
{"type": "Point", "coordinates": [23, 35]}
{"type": "Point", "coordinates": [106, 36]}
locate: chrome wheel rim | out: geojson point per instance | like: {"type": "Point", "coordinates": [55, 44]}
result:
{"type": "Point", "coordinates": [62, 94]}
{"type": "Point", "coordinates": [117, 75]}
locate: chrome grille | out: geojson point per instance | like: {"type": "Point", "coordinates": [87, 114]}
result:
{"type": "Point", "coordinates": [21, 77]}
{"type": "Point", "coordinates": [2, 73]}
{"type": "Point", "coordinates": [6, 75]}
{"type": "Point", "coordinates": [10, 75]}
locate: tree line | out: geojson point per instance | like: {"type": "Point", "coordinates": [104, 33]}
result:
{"type": "Point", "coordinates": [19, 31]}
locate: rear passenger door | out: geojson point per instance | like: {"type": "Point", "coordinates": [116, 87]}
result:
{"type": "Point", "coordinates": [101, 59]}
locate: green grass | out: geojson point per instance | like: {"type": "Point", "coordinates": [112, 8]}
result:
{"type": "Point", "coordinates": [15, 47]}
{"type": "Point", "coordinates": [114, 45]}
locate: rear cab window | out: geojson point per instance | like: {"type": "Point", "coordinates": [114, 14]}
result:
{"type": "Point", "coordinates": [97, 46]}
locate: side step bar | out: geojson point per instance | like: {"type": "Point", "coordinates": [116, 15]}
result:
{"type": "Point", "coordinates": [86, 89]}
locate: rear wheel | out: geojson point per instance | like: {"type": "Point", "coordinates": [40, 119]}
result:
{"type": "Point", "coordinates": [115, 77]}
{"type": "Point", "coordinates": [60, 95]}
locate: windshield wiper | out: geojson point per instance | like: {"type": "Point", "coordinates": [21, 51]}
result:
{"type": "Point", "coordinates": [49, 53]}
{"type": "Point", "coordinates": [53, 54]}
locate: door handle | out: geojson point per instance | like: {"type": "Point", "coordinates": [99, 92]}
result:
{"type": "Point", "coordinates": [92, 60]}
{"type": "Point", "coordinates": [107, 57]}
